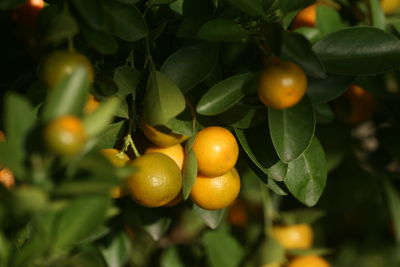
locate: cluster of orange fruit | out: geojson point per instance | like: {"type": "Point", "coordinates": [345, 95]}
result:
{"type": "Point", "coordinates": [157, 180]}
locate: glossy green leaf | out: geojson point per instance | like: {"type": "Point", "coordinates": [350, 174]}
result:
{"type": "Point", "coordinates": [118, 252]}
{"type": "Point", "coordinates": [254, 8]}
{"type": "Point", "coordinates": [91, 12]}
{"type": "Point", "coordinates": [98, 120]}
{"type": "Point", "coordinates": [225, 94]}
{"type": "Point", "coordinates": [189, 173]}
{"type": "Point", "coordinates": [170, 258]}
{"type": "Point", "coordinates": [9, 4]}
{"type": "Point", "coordinates": [62, 27]}
{"type": "Point", "coordinates": [223, 30]}
{"type": "Point", "coordinates": [212, 218]}
{"type": "Point", "coordinates": [80, 219]}
{"type": "Point", "coordinates": [222, 249]}
{"type": "Point", "coordinates": [328, 20]}
{"type": "Point", "coordinates": [69, 97]}
{"type": "Point", "coordinates": [163, 99]}
{"type": "Point", "coordinates": [359, 51]}
{"type": "Point", "coordinates": [189, 66]}
{"type": "Point", "coordinates": [292, 129]}
{"type": "Point", "coordinates": [126, 79]}
{"type": "Point", "coordinates": [306, 175]}
{"type": "Point", "coordinates": [125, 21]}
{"type": "Point", "coordinates": [103, 42]}
{"type": "Point", "coordinates": [325, 90]}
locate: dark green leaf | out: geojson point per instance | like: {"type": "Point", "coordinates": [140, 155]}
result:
{"type": "Point", "coordinates": [254, 8]}
{"type": "Point", "coordinates": [110, 135]}
{"type": "Point", "coordinates": [79, 220]}
{"type": "Point", "coordinates": [222, 249]}
{"type": "Point", "coordinates": [292, 129]}
{"type": "Point", "coordinates": [129, 2]}
{"type": "Point", "coordinates": [126, 22]}
{"type": "Point", "coordinates": [183, 123]}
{"type": "Point", "coordinates": [393, 199]}
{"type": "Point", "coordinates": [325, 90]}
{"type": "Point", "coordinates": [359, 51]}
{"type": "Point", "coordinates": [170, 258]}
{"type": "Point", "coordinates": [243, 116]}
{"type": "Point", "coordinates": [189, 66]}
{"type": "Point", "coordinates": [69, 97]}
{"type": "Point", "coordinates": [103, 42]}
{"type": "Point", "coordinates": [91, 12]}
{"type": "Point", "coordinates": [163, 99]}
{"type": "Point", "coordinates": [328, 20]}
{"type": "Point", "coordinates": [225, 94]}
{"type": "Point", "coordinates": [223, 30]}
{"type": "Point", "coordinates": [62, 27]}
{"type": "Point", "coordinates": [189, 173]}
{"type": "Point", "coordinates": [155, 222]}
{"type": "Point", "coordinates": [212, 218]}
{"type": "Point", "coordinates": [306, 175]}
{"type": "Point", "coordinates": [10, 4]}
{"type": "Point", "coordinates": [289, 5]}
{"type": "Point", "coordinates": [301, 216]}
{"type": "Point", "coordinates": [126, 79]}
{"type": "Point", "coordinates": [118, 252]}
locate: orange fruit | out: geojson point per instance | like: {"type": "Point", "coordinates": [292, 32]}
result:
{"type": "Point", "coordinates": [91, 105]}
{"type": "Point", "coordinates": [118, 159]}
{"type": "Point", "coordinates": [28, 13]}
{"type": "Point", "coordinates": [65, 136]}
{"type": "Point", "coordinates": [216, 151]}
{"type": "Point", "coordinates": [308, 261]}
{"type": "Point", "coordinates": [296, 236]}
{"type": "Point", "coordinates": [162, 139]}
{"type": "Point", "coordinates": [7, 178]}
{"type": "Point", "coordinates": [237, 215]}
{"type": "Point", "coordinates": [156, 181]}
{"type": "Point", "coordinates": [306, 17]}
{"type": "Point", "coordinates": [213, 193]}
{"type": "Point", "coordinates": [175, 152]}
{"type": "Point", "coordinates": [390, 6]}
{"type": "Point", "coordinates": [355, 106]}
{"type": "Point", "coordinates": [282, 85]}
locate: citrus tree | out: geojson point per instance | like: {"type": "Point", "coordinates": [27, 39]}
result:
{"type": "Point", "coordinates": [199, 133]}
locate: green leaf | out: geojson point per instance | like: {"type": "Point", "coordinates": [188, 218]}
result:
{"type": "Point", "coordinates": [183, 123]}
{"type": "Point", "coordinates": [243, 116]}
{"type": "Point", "coordinates": [79, 220]}
{"type": "Point", "coordinates": [328, 20]}
{"type": "Point", "coordinates": [62, 27]}
{"type": "Point", "coordinates": [190, 65]}
{"type": "Point", "coordinates": [287, 6]}
{"type": "Point", "coordinates": [118, 252]}
{"type": "Point", "coordinates": [125, 21]}
{"type": "Point", "coordinates": [257, 144]}
{"type": "Point", "coordinates": [225, 94]}
{"type": "Point", "coordinates": [222, 249]}
{"type": "Point", "coordinates": [97, 121]}
{"type": "Point", "coordinates": [10, 4]}
{"type": "Point", "coordinates": [129, 2]}
{"type": "Point", "coordinates": [393, 200]}
{"type": "Point", "coordinates": [324, 90]}
{"type": "Point", "coordinates": [212, 218]}
{"type": "Point", "coordinates": [155, 222]}
{"type": "Point", "coordinates": [306, 175]}
{"type": "Point", "coordinates": [275, 252]}
{"type": "Point", "coordinates": [359, 51]}
{"type": "Point", "coordinates": [377, 15]}
{"type": "Point", "coordinates": [253, 8]}
{"type": "Point", "coordinates": [170, 258]}
{"type": "Point", "coordinates": [110, 135]}
{"type": "Point", "coordinates": [189, 173]}
{"type": "Point", "coordinates": [292, 129]}
{"type": "Point", "coordinates": [301, 216]}
{"type": "Point", "coordinates": [69, 97]}
{"type": "Point", "coordinates": [103, 42]}
{"type": "Point", "coordinates": [91, 12]}
{"type": "Point", "coordinates": [223, 30]}
{"type": "Point", "coordinates": [163, 100]}
{"type": "Point", "coordinates": [126, 79]}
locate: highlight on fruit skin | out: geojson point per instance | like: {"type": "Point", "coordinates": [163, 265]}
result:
{"type": "Point", "coordinates": [7, 178]}
{"type": "Point", "coordinates": [162, 139]}
{"type": "Point", "coordinates": [213, 193]}
{"type": "Point", "coordinates": [282, 85]}
{"type": "Point", "coordinates": [216, 151]}
{"type": "Point", "coordinates": [175, 152]}
{"type": "Point", "coordinates": [295, 236]}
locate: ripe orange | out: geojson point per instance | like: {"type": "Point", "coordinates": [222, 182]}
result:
{"type": "Point", "coordinates": [390, 6]}
{"type": "Point", "coordinates": [156, 181]}
{"type": "Point", "coordinates": [297, 236]}
{"type": "Point", "coordinates": [216, 151]}
{"type": "Point", "coordinates": [27, 14]}
{"type": "Point", "coordinates": [175, 152]}
{"type": "Point", "coordinates": [282, 85]}
{"type": "Point", "coordinates": [308, 261]}
{"type": "Point", "coordinates": [355, 106]}
{"type": "Point", "coordinates": [213, 193]}
{"type": "Point", "coordinates": [59, 64]}
{"type": "Point", "coordinates": [306, 17]}
{"type": "Point", "coordinates": [7, 178]}
{"type": "Point", "coordinates": [162, 139]}
{"type": "Point", "coordinates": [118, 159]}
{"type": "Point", "coordinates": [91, 105]}
{"type": "Point", "coordinates": [65, 136]}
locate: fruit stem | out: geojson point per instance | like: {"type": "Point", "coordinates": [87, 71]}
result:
{"type": "Point", "coordinates": [129, 142]}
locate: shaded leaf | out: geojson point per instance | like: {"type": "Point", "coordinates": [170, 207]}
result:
{"type": "Point", "coordinates": [212, 218]}
{"type": "Point", "coordinates": [223, 30]}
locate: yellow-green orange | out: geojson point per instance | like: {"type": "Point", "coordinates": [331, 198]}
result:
{"type": "Point", "coordinates": [295, 236]}
{"type": "Point", "coordinates": [175, 152]}
{"type": "Point", "coordinates": [308, 261]}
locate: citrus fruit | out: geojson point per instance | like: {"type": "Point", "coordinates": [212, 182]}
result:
{"type": "Point", "coordinates": [296, 236]}
{"type": "Point", "coordinates": [175, 201]}
{"type": "Point", "coordinates": [65, 135]}
{"type": "Point", "coordinates": [306, 17]}
{"type": "Point", "coordinates": [282, 85]}
{"type": "Point", "coordinates": [390, 6]}
{"type": "Point", "coordinates": [118, 159]}
{"type": "Point", "coordinates": [237, 214]}
{"type": "Point", "coordinates": [175, 152]}
{"type": "Point", "coordinates": [91, 105]}
{"type": "Point", "coordinates": [27, 14]}
{"type": "Point", "coordinates": [162, 139]}
{"type": "Point", "coordinates": [216, 151]}
{"type": "Point", "coordinates": [308, 261]}
{"type": "Point", "coordinates": [156, 181]}
{"type": "Point", "coordinates": [59, 64]}
{"type": "Point", "coordinates": [7, 178]}
{"type": "Point", "coordinates": [213, 193]}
